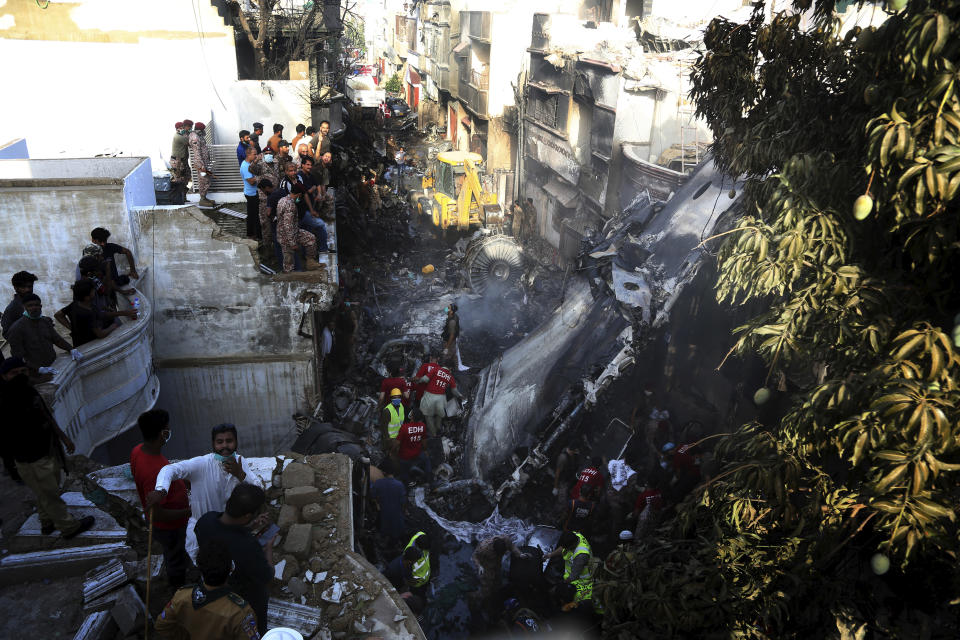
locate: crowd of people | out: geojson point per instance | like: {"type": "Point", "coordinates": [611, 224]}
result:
{"type": "Point", "coordinates": [288, 186]}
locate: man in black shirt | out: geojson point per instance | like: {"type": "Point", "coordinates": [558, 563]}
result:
{"type": "Point", "coordinates": [253, 563]}
{"type": "Point", "coordinates": [22, 285]}
{"type": "Point", "coordinates": [110, 250]}
{"type": "Point", "coordinates": [32, 438]}
{"type": "Point", "coordinates": [86, 323]}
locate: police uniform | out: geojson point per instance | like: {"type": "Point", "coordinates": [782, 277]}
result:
{"type": "Point", "coordinates": [197, 614]}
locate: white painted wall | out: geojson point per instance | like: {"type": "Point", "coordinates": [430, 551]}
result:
{"type": "Point", "coordinates": [82, 98]}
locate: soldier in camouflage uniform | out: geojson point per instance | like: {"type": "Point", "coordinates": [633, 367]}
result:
{"type": "Point", "coordinates": [266, 168]}
{"type": "Point", "coordinates": [179, 155]}
{"type": "Point", "coordinates": [209, 610]}
{"type": "Point", "coordinates": [289, 233]}
{"type": "Point", "coordinates": [200, 159]}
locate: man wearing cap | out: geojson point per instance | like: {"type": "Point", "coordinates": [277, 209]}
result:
{"type": "Point", "coordinates": [391, 417]}
{"type": "Point", "coordinates": [212, 478]}
{"type": "Point", "coordinates": [33, 439]}
{"type": "Point", "coordinates": [277, 136]}
{"type": "Point", "coordinates": [33, 337]}
{"type": "Point", "coordinates": [210, 609]}
{"type": "Point", "coordinates": [283, 157]}
{"type": "Point", "coordinates": [179, 155]}
{"type": "Point", "coordinates": [200, 159]}
{"type": "Point", "coordinates": [22, 285]}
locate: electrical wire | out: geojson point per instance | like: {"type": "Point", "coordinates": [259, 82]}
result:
{"type": "Point", "coordinates": [197, 20]}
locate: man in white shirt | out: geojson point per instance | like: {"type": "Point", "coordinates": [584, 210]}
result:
{"type": "Point", "coordinates": [212, 478]}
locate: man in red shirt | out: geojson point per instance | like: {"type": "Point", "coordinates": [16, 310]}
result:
{"type": "Point", "coordinates": [434, 402]}
{"type": "Point", "coordinates": [426, 369]}
{"type": "Point", "coordinates": [410, 453]}
{"type": "Point", "coordinates": [647, 509]}
{"type": "Point", "coordinates": [170, 516]}
{"type": "Point", "coordinates": [589, 481]}
{"type": "Point", "coordinates": [395, 381]}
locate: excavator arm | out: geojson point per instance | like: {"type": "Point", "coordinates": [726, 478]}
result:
{"type": "Point", "coordinates": [471, 191]}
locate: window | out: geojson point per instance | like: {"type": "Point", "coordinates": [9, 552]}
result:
{"type": "Point", "coordinates": [545, 110]}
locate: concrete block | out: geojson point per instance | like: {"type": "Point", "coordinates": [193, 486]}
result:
{"type": "Point", "coordinates": [68, 561]}
{"type": "Point", "coordinates": [97, 626]}
{"type": "Point", "coordinates": [291, 567]}
{"type": "Point", "coordinates": [299, 496]}
{"type": "Point", "coordinates": [312, 512]}
{"type": "Point", "coordinates": [128, 611]}
{"type": "Point", "coordinates": [298, 541]}
{"type": "Point", "coordinates": [289, 515]}
{"type": "Point", "coordinates": [297, 474]}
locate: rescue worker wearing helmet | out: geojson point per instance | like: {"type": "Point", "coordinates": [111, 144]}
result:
{"type": "Point", "coordinates": [391, 418]}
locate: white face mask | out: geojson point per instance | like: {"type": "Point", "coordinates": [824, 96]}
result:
{"type": "Point", "coordinates": [268, 157]}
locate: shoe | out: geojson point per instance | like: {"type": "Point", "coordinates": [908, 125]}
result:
{"type": "Point", "coordinates": [313, 265]}
{"type": "Point", "coordinates": [46, 528]}
{"type": "Point", "coordinates": [206, 202]}
{"type": "Point", "coordinates": [83, 524]}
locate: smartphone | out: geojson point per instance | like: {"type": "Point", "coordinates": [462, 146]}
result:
{"type": "Point", "coordinates": [268, 534]}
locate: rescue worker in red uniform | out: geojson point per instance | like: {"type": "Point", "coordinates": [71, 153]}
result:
{"type": "Point", "coordinates": [590, 481]}
{"type": "Point", "coordinates": [426, 369]}
{"type": "Point", "coordinates": [413, 461]}
{"type": "Point", "coordinates": [434, 402]}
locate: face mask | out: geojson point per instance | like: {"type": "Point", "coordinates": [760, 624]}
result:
{"type": "Point", "coordinates": [446, 309]}
{"type": "Point", "coordinates": [268, 157]}
{"type": "Point", "coordinates": [396, 402]}
{"type": "Point", "coordinates": [32, 317]}
{"type": "Point", "coordinates": [221, 458]}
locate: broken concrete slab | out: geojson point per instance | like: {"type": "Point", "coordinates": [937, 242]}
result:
{"type": "Point", "coordinates": [304, 619]}
{"type": "Point", "coordinates": [129, 610]}
{"type": "Point", "coordinates": [70, 561]}
{"type": "Point", "coordinates": [103, 579]}
{"type": "Point", "coordinates": [96, 626]}
{"type": "Point", "coordinates": [298, 541]}
{"type": "Point", "coordinates": [300, 496]}
{"type": "Point", "coordinates": [105, 528]}
{"type": "Point", "coordinates": [298, 474]}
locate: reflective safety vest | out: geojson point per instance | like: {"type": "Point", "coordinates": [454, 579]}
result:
{"type": "Point", "coordinates": [421, 568]}
{"type": "Point", "coordinates": [584, 582]}
{"type": "Point", "coordinates": [396, 419]}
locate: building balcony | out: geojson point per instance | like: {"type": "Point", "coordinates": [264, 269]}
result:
{"type": "Point", "coordinates": [441, 75]}
{"type": "Point", "coordinates": [473, 97]}
{"type": "Point", "coordinates": [480, 79]}
{"type": "Point", "coordinates": [104, 393]}
{"type": "Point", "coordinates": [540, 38]}
{"type": "Point", "coordinates": [476, 24]}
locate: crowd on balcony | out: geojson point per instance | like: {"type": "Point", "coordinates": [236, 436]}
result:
{"type": "Point", "coordinates": [288, 186]}
{"type": "Point", "coordinates": [32, 453]}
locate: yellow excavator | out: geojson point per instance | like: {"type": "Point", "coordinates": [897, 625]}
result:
{"type": "Point", "coordinates": [453, 196]}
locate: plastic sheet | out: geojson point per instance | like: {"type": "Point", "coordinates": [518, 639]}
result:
{"type": "Point", "coordinates": [495, 525]}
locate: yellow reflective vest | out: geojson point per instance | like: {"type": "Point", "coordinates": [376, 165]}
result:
{"type": "Point", "coordinates": [584, 582]}
{"type": "Point", "coordinates": [396, 420]}
{"type": "Point", "coordinates": [421, 568]}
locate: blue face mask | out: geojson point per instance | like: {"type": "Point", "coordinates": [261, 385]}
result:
{"type": "Point", "coordinates": [26, 314]}
{"type": "Point", "coordinates": [395, 402]}
{"type": "Point", "coordinates": [221, 458]}
{"type": "Point", "coordinates": [268, 157]}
